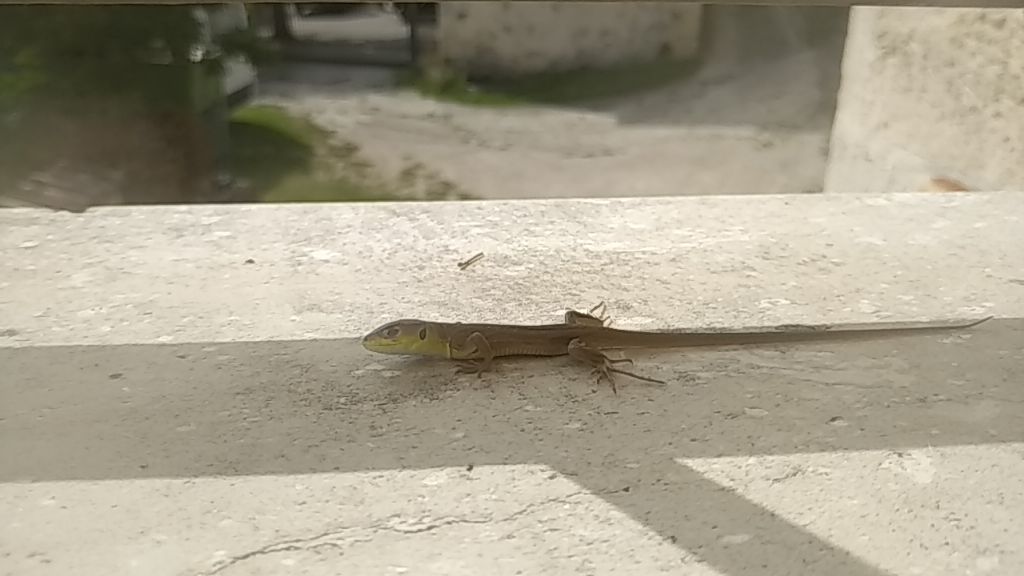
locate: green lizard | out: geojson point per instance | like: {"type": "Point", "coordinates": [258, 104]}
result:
{"type": "Point", "coordinates": [583, 336]}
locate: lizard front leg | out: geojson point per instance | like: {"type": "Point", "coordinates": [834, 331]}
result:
{"type": "Point", "coordinates": [603, 366]}
{"type": "Point", "coordinates": [474, 355]}
{"type": "Point", "coordinates": [588, 318]}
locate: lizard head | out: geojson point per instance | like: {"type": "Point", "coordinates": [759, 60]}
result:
{"type": "Point", "coordinates": [416, 337]}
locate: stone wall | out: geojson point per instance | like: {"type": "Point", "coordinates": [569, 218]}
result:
{"type": "Point", "coordinates": [506, 37]}
{"type": "Point", "coordinates": [930, 93]}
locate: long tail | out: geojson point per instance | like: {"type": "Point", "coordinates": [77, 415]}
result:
{"type": "Point", "coordinates": [614, 338]}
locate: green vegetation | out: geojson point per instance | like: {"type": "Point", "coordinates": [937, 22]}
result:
{"type": "Point", "coordinates": [569, 87]}
{"type": "Point", "coordinates": [459, 90]}
{"type": "Point", "coordinates": [112, 92]}
{"type": "Point", "coordinates": [110, 51]}
{"type": "Point", "coordinates": [289, 159]}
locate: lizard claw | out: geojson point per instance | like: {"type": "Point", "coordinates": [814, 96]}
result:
{"type": "Point", "coordinates": [606, 370]}
{"type": "Point", "coordinates": [603, 366]}
{"type": "Point", "coordinates": [602, 373]}
{"type": "Point", "coordinates": [636, 376]}
{"type": "Point", "coordinates": [470, 367]}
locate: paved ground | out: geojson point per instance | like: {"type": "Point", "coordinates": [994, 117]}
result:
{"type": "Point", "coordinates": [755, 120]}
{"type": "Point", "coordinates": [371, 24]}
{"type": "Point", "coordinates": [367, 36]}
{"type": "Point", "coordinates": [183, 393]}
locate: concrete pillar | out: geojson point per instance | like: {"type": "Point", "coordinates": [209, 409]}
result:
{"type": "Point", "coordinates": [524, 37]}
{"type": "Point", "coordinates": [930, 94]}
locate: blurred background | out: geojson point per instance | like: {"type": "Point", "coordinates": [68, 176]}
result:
{"type": "Point", "coordinates": [411, 101]}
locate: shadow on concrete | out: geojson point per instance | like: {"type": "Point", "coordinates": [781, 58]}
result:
{"type": "Point", "coordinates": [767, 66]}
{"type": "Point", "coordinates": [304, 80]}
{"type": "Point", "coordinates": [292, 407]}
{"type": "Point", "coordinates": [388, 53]}
{"type": "Point", "coordinates": [358, 35]}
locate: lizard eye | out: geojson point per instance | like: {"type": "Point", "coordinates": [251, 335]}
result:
{"type": "Point", "coordinates": [423, 333]}
{"type": "Point", "coordinates": [391, 332]}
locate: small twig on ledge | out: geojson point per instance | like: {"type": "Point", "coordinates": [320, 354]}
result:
{"type": "Point", "coordinates": [476, 258]}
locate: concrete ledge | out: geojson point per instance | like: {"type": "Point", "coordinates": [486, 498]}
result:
{"type": "Point", "coordinates": [182, 274]}
{"type": "Point", "coordinates": [169, 408]}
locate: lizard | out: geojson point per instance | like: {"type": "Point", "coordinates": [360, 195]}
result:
{"type": "Point", "coordinates": [583, 337]}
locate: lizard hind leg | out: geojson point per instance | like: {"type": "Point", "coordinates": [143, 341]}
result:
{"type": "Point", "coordinates": [604, 367]}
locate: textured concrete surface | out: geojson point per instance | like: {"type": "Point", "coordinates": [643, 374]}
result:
{"type": "Point", "coordinates": [507, 37]}
{"type": "Point", "coordinates": [182, 274]}
{"type": "Point", "coordinates": [183, 392]}
{"type": "Point", "coordinates": [930, 93]}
